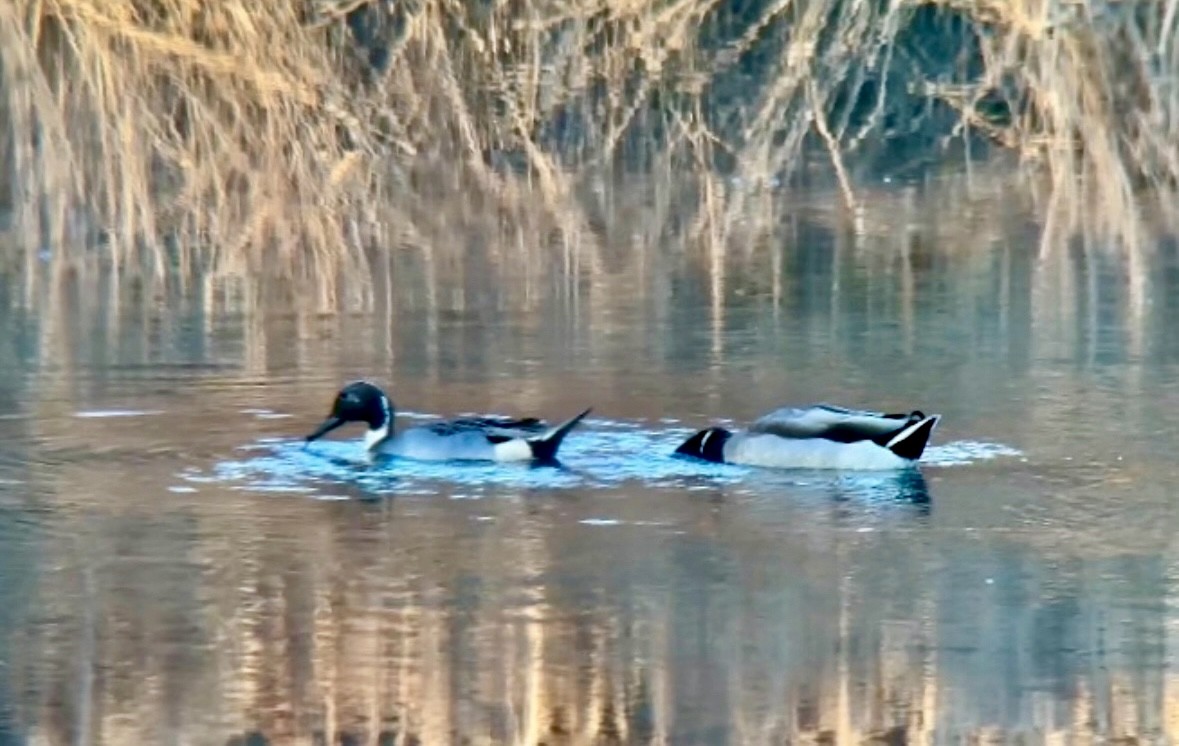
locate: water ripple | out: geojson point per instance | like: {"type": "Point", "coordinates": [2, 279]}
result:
{"type": "Point", "coordinates": [603, 454]}
{"type": "Point", "coordinates": [963, 452]}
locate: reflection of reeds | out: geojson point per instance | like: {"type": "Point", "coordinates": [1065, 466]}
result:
{"type": "Point", "coordinates": [301, 135]}
{"type": "Point", "coordinates": [941, 262]}
{"type": "Point", "coordinates": [203, 622]}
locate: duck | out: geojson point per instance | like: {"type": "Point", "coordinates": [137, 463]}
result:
{"type": "Point", "coordinates": [462, 439]}
{"type": "Point", "coordinates": [819, 436]}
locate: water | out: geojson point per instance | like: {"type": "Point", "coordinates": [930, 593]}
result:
{"type": "Point", "coordinates": [177, 567]}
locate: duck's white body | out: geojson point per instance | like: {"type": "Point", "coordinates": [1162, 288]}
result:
{"type": "Point", "coordinates": [819, 437]}
{"type": "Point", "coordinates": [754, 449]}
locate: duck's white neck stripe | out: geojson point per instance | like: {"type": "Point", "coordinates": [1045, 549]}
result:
{"type": "Point", "coordinates": [375, 435]}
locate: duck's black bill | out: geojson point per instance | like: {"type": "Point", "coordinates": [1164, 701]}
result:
{"type": "Point", "coordinates": [331, 423]}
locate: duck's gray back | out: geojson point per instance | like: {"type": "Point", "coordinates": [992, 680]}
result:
{"type": "Point", "coordinates": [827, 421]}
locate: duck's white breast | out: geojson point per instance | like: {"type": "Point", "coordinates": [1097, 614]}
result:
{"type": "Point", "coordinates": [809, 453]}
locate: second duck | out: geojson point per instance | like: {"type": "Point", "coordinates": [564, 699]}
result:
{"type": "Point", "coordinates": [822, 436]}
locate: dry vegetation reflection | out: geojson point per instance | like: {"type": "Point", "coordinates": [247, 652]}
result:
{"type": "Point", "coordinates": [303, 137]}
{"type": "Point", "coordinates": [319, 623]}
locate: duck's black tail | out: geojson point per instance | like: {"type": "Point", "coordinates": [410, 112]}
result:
{"type": "Point", "coordinates": [544, 447]}
{"type": "Point", "coordinates": [910, 442]}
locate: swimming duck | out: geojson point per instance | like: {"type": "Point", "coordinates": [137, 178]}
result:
{"type": "Point", "coordinates": [466, 438]}
{"type": "Point", "coordinates": [821, 436]}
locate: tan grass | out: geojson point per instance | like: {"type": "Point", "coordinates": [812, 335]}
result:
{"type": "Point", "coordinates": [234, 136]}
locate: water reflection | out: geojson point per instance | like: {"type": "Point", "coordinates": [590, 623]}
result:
{"type": "Point", "coordinates": [177, 567]}
{"type": "Point", "coordinates": [354, 620]}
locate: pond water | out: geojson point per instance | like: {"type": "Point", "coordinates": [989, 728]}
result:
{"type": "Point", "coordinates": [177, 567]}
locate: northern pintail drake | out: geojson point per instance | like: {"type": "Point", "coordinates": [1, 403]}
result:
{"type": "Point", "coordinates": [821, 436]}
{"type": "Point", "coordinates": [466, 438]}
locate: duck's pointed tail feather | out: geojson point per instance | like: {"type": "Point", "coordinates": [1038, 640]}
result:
{"type": "Point", "coordinates": [910, 443]}
{"type": "Point", "coordinates": [544, 447]}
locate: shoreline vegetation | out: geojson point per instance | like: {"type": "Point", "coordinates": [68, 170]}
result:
{"type": "Point", "coordinates": [172, 137]}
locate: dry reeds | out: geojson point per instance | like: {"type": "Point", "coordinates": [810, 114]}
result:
{"type": "Point", "coordinates": [294, 136]}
